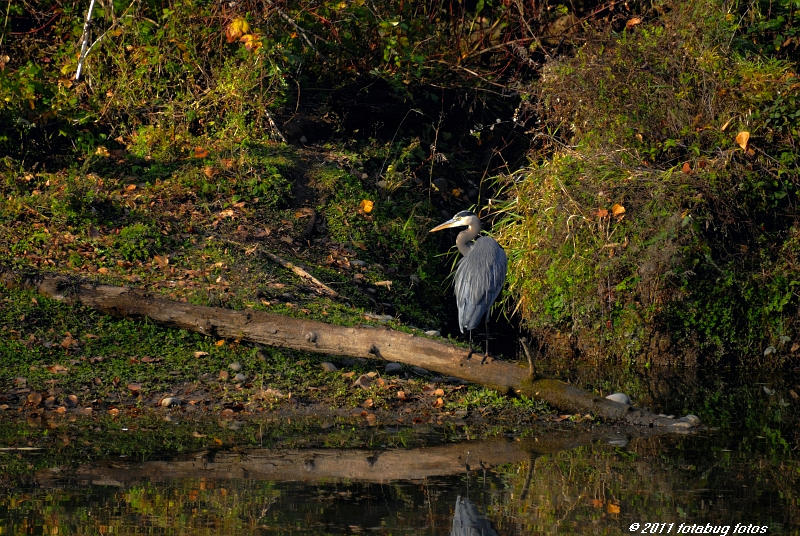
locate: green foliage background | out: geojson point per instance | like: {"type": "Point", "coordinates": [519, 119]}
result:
{"type": "Point", "coordinates": [636, 105]}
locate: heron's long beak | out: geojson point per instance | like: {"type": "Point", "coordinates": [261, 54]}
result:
{"type": "Point", "coordinates": [447, 225]}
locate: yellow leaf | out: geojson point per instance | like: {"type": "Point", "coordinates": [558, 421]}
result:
{"type": "Point", "coordinates": [220, 342]}
{"type": "Point", "coordinates": [617, 210]}
{"type": "Point", "coordinates": [612, 508]}
{"type": "Point", "coordinates": [237, 28]}
{"type": "Point", "coordinates": [366, 206]}
{"type": "Point", "coordinates": [742, 138]}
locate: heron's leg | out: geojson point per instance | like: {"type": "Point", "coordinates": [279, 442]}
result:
{"type": "Point", "coordinates": [471, 349]}
{"type": "Point", "coordinates": [486, 334]}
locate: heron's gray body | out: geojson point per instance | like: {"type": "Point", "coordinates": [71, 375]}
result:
{"type": "Point", "coordinates": [479, 278]}
{"type": "Point", "coordinates": [480, 274]}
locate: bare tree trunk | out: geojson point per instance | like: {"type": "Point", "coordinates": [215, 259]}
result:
{"type": "Point", "coordinates": [318, 337]}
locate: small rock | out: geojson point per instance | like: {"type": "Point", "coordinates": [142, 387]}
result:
{"type": "Point", "coordinates": [169, 401]}
{"type": "Point", "coordinates": [240, 378]}
{"type": "Point", "coordinates": [358, 263]}
{"type": "Point", "coordinates": [619, 441]}
{"type": "Point", "coordinates": [327, 366]}
{"type": "Point", "coordinates": [419, 371]}
{"type": "Point", "coordinates": [235, 366]}
{"type": "Point", "coordinates": [621, 398]}
{"type": "Point", "coordinates": [393, 368]}
{"type": "Point", "coordinates": [433, 333]}
{"type": "Point", "coordinates": [688, 421]}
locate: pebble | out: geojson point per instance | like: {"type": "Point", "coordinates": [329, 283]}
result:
{"type": "Point", "coordinates": [419, 371]}
{"type": "Point", "coordinates": [169, 401]}
{"type": "Point", "coordinates": [358, 263]}
{"type": "Point", "coordinates": [239, 378]}
{"type": "Point", "coordinates": [327, 366]}
{"type": "Point", "coordinates": [433, 333]}
{"type": "Point", "coordinates": [621, 398]}
{"type": "Point", "coordinates": [235, 366]}
{"type": "Point", "coordinates": [393, 368]}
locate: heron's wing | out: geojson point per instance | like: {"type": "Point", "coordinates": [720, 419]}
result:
{"type": "Point", "coordinates": [479, 278]}
{"type": "Point", "coordinates": [468, 521]}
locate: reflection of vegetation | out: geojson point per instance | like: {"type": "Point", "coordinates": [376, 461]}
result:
{"type": "Point", "coordinates": [594, 489]}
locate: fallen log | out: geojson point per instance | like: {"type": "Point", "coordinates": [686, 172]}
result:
{"type": "Point", "coordinates": [326, 465]}
{"type": "Point", "coordinates": [318, 337]}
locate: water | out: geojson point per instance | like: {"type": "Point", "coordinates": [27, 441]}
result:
{"type": "Point", "coordinates": [741, 475]}
{"type": "Point", "coordinates": [557, 482]}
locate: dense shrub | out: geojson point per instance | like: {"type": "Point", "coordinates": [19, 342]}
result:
{"type": "Point", "coordinates": [705, 250]}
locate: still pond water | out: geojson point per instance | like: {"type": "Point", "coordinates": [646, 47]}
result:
{"type": "Point", "coordinates": [742, 477]}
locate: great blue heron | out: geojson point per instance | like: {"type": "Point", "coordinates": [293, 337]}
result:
{"type": "Point", "coordinates": [468, 521]}
{"type": "Point", "coordinates": [480, 273]}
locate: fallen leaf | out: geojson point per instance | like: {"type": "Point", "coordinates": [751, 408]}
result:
{"type": "Point", "coordinates": [368, 403]}
{"type": "Point", "coordinates": [617, 210]}
{"type": "Point", "coordinates": [366, 206]}
{"type": "Point", "coordinates": [134, 387]}
{"type": "Point", "coordinates": [632, 22]}
{"type": "Point", "coordinates": [687, 168]}
{"type": "Point", "coordinates": [439, 403]}
{"type": "Point", "coordinates": [612, 508]}
{"type": "Point", "coordinates": [401, 395]}
{"type": "Point", "coordinates": [742, 138]}
{"type": "Point", "coordinates": [387, 284]}
{"type": "Point", "coordinates": [130, 187]}
{"type": "Point", "coordinates": [597, 503]}
{"type": "Point", "coordinates": [161, 260]}
{"type": "Point", "coordinates": [439, 392]}
{"type": "Point", "coordinates": [34, 399]}
{"type": "Point", "coordinates": [200, 354]}
{"type": "Point", "coordinates": [220, 342]}
{"type": "Point", "coordinates": [602, 213]}
{"type": "Point", "coordinates": [113, 412]}
{"type": "Point", "coordinates": [102, 151]}
{"type": "Point", "coordinates": [237, 28]}
{"type": "Point", "coordinates": [200, 152]}
{"type": "Point", "coordinates": [57, 369]}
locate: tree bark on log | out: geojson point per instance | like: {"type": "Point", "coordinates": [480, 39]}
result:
{"type": "Point", "coordinates": [318, 337]}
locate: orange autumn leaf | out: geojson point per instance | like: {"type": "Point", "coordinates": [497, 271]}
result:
{"type": "Point", "coordinates": [742, 138]}
{"type": "Point", "coordinates": [200, 152]}
{"type": "Point", "coordinates": [366, 206]}
{"type": "Point", "coordinates": [617, 210]}
{"type": "Point", "coordinates": [632, 22]}
{"type": "Point", "coordinates": [612, 508]}
{"type": "Point", "coordinates": [687, 168]}
{"type": "Point", "coordinates": [602, 213]}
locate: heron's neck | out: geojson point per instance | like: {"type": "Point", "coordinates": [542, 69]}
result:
{"type": "Point", "coordinates": [464, 240]}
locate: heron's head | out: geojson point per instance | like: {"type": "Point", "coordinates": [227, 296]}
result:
{"type": "Point", "coordinates": [465, 218]}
